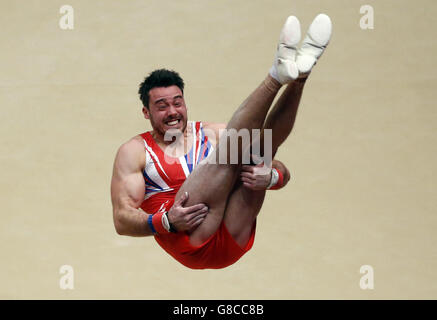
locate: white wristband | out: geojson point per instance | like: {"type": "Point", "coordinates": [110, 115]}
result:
{"type": "Point", "coordinates": [165, 222]}
{"type": "Point", "coordinates": [274, 179]}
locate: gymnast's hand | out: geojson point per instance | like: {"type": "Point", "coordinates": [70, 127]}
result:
{"type": "Point", "coordinates": [256, 177]}
{"type": "Point", "coordinates": [186, 218]}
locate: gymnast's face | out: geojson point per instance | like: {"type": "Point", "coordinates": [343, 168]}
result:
{"type": "Point", "coordinates": [167, 109]}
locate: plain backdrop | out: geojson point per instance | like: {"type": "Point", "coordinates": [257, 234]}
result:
{"type": "Point", "coordinates": [362, 154]}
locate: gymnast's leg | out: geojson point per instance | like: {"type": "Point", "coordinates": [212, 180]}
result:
{"type": "Point", "coordinates": [244, 204]}
{"type": "Point", "coordinates": [212, 183]}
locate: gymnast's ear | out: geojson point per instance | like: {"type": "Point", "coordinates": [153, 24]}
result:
{"type": "Point", "coordinates": [146, 113]}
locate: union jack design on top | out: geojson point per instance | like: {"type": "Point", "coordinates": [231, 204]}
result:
{"type": "Point", "coordinates": [164, 178]}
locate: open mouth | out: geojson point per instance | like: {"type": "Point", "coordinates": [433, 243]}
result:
{"type": "Point", "coordinates": [172, 122]}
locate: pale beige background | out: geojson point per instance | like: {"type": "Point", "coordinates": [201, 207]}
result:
{"type": "Point", "coordinates": [363, 153]}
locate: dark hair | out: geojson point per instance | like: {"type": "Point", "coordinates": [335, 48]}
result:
{"type": "Point", "coordinates": [159, 78]}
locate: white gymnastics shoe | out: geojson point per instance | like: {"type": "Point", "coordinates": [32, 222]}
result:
{"type": "Point", "coordinates": [315, 42]}
{"type": "Point", "coordinates": [284, 68]}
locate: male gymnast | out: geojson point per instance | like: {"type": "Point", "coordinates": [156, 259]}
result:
{"type": "Point", "coordinates": [202, 210]}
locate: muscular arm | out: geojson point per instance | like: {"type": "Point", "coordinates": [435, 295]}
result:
{"type": "Point", "coordinates": [127, 191]}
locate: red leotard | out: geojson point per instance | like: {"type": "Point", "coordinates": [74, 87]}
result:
{"type": "Point", "coordinates": [164, 176]}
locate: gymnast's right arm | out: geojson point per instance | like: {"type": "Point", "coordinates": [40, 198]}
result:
{"type": "Point", "coordinates": [127, 191]}
{"type": "Point", "coordinates": [127, 194]}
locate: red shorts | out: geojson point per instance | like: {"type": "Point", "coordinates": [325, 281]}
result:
{"type": "Point", "coordinates": [219, 251]}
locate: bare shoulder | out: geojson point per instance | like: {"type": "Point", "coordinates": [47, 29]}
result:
{"type": "Point", "coordinates": [214, 125]}
{"type": "Point", "coordinates": [130, 155]}
{"type": "Point", "coordinates": [212, 130]}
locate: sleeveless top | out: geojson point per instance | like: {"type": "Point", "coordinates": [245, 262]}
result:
{"type": "Point", "coordinates": [164, 174]}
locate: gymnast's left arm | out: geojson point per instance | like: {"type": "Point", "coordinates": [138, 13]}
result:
{"type": "Point", "coordinates": [283, 175]}
{"type": "Point", "coordinates": [261, 177]}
